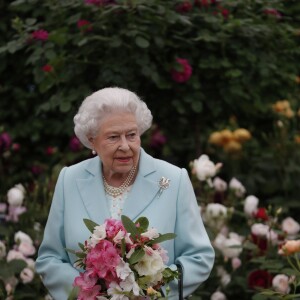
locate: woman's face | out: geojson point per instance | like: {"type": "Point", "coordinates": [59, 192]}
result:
{"type": "Point", "coordinates": [118, 143]}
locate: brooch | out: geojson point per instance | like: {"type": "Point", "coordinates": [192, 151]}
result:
{"type": "Point", "coordinates": [163, 183]}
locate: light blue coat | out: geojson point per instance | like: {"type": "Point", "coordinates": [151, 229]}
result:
{"type": "Point", "coordinates": [79, 194]}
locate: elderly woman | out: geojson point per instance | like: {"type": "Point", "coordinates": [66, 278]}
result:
{"type": "Point", "coordinates": [121, 179]}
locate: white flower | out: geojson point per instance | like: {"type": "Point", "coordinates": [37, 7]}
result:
{"type": "Point", "coordinates": [219, 184]}
{"type": "Point", "coordinates": [237, 186]}
{"type": "Point", "coordinates": [26, 275]}
{"type": "Point", "coordinates": [123, 269]}
{"type": "Point", "coordinates": [290, 226]}
{"type": "Point", "coordinates": [13, 254]}
{"type": "Point", "coordinates": [116, 291]}
{"type": "Point", "coordinates": [48, 297]}
{"type": "Point", "coordinates": [129, 284]}
{"type": "Point", "coordinates": [204, 168]}
{"type": "Point", "coordinates": [119, 236]}
{"type": "Point", "coordinates": [215, 215]}
{"type": "Point", "coordinates": [99, 234]}
{"type": "Point", "coordinates": [20, 237]}
{"type": "Point", "coordinates": [150, 264]}
{"type": "Point", "coordinates": [225, 277]}
{"type": "Point", "coordinates": [26, 248]}
{"type": "Point", "coordinates": [30, 263]}
{"type": "Point", "coordinates": [15, 195]}
{"type": "Point", "coordinates": [218, 296]}
{"type": "Point", "coordinates": [250, 206]}
{"type": "Point", "coordinates": [259, 229]}
{"type": "Point", "coordinates": [151, 234]}
{"type": "Point", "coordinates": [2, 250]}
{"type": "Point", "coordinates": [281, 283]}
{"type": "Point", "coordinates": [232, 246]}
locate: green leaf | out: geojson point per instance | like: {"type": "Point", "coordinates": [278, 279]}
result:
{"type": "Point", "coordinates": [142, 42]}
{"type": "Point", "coordinates": [90, 224]}
{"type": "Point", "coordinates": [71, 251]}
{"type": "Point", "coordinates": [130, 227]}
{"type": "Point", "coordinates": [143, 222]}
{"type": "Point", "coordinates": [81, 246]}
{"type": "Point", "coordinates": [136, 256]}
{"type": "Point", "coordinates": [17, 265]}
{"type": "Point", "coordinates": [163, 237]}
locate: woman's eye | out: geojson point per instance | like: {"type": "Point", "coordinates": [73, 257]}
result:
{"type": "Point", "coordinates": [131, 135]}
{"type": "Point", "coordinates": [113, 137]}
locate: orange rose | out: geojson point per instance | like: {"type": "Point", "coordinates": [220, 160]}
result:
{"type": "Point", "coordinates": [216, 138]}
{"type": "Point", "coordinates": [290, 247]}
{"type": "Point", "coordinates": [232, 147]}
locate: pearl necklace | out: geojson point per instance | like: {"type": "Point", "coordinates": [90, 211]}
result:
{"type": "Point", "coordinates": [116, 191]}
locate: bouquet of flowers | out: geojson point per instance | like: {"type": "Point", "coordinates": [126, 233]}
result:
{"type": "Point", "coordinates": [123, 260]}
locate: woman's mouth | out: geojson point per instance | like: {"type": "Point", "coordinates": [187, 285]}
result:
{"type": "Point", "coordinates": [123, 159]}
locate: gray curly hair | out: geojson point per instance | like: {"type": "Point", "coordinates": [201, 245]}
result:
{"type": "Point", "coordinates": [95, 107]}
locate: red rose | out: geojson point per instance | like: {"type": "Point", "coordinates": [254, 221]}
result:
{"type": "Point", "coordinates": [259, 278]}
{"type": "Point", "coordinates": [183, 73]}
{"type": "Point", "coordinates": [261, 214]}
{"type": "Point", "coordinates": [84, 25]}
{"type": "Point", "coordinates": [47, 68]}
{"type": "Point", "coordinates": [260, 242]}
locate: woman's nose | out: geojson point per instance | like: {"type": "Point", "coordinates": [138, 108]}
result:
{"type": "Point", "coordinates": [124, 144]}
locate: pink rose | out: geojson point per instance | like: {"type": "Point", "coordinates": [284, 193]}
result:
{"type": "Point", "coordinates": [41, 35]}
{"type": "Point", "coordinates": [26, 248]}
{"type": "Point", "coordinates": [183, 72]}
{"type": "Point", "coordinates": [290, 226]}
{"type": "Point", "coordinates": [281, 284]}
{"type": "Point", "coordinates": [14, 254]}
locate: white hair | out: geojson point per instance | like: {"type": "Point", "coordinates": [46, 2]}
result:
{"type": "Point", "coordinates": [98, 105]}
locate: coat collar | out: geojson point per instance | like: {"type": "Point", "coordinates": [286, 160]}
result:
{"type": "Point", "coordinates": [143, 192]}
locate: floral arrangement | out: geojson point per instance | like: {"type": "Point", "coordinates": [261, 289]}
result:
{"type": "Point", "coordinates": [123, 260]}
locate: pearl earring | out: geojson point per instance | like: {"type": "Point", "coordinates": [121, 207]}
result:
{"type": "Point", "coordinates": [94, 152]}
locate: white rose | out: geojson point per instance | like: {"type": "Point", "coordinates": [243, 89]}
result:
{"type": "Point", "coordinates": [20, 237]}
{"type": "Point", "coordinates": [26, 275]}
{"type": "Point", "coordinates": [15, 195]}
{"type": "Point", "coordinates": [215, 215]}
{"type": "Point", "coordinates": [2, 249]}
{"type": "Point", "coordinates": [290, 226]}
{"type": "Point", "coordinates": [259, 229]}
{"type": "Point", "coordinates": [281, 284]}
{"type": "Point", "coordinates": [237, 186]}
{"type": "Point", "coordinates": [218, 296]}
{"type": "Point", "coordinates": [149, 265]}
{"type": "Point", "coordinates": [30, 263]}
{"type": "Point", "coordinates": [232, 246]}
{"type": "Point", "coordinates": [250, 206]}
{"type": "Point", "coordinates": [26, 248]}
{"type": "Point", "coordinates": [219, 184]}
{"type": "Point", "coordinates": [204, 168]}
{"type": "Point", "coordinates": [13, 254]}
{"type": "Point", "coordinates": [219, 241]}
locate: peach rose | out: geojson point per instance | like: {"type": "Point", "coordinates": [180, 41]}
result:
{"type": "Point", "coordinates": [290, 247]}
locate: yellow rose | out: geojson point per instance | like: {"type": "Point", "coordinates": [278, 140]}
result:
{"type": "Point", "coordinates": [242, 135]}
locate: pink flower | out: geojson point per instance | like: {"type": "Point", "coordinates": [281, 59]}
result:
{"type": "Point", "coordinates": [26, 248]}
{"type": "Point", "coordinates": [84, 25]}
{"type": "Point", "coordinates": [41, 35]}
{"type": "Point", "coordinates": [113, 227]}
{"type": "Point", "coordinates": [47, 68]}
{"type": "Point", "coordinates": [14, 212]}
{"type": "Point", "coordinates": [50, 150]}
{"type": "Point", "coordinates": [5, 141]}
{"type": "Point", "coordinates": [3, 207]}
{"type": "Point", "coordinates": [89, 294]}
{"type": "Point", "coordinates": [157, 139]}
{"type": "Point", "coordinates": [184, 73]}
{"type": "Point", "coordinates": [26, 275]}
{"type": "Point", "coordinates": [273, 12]}
{"type": "Point", "coordinates": [103, 259]}
{"type": "Point", "coordinates": [86, 280]}
{"type": "Point", "coordinates": [75, 144]}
